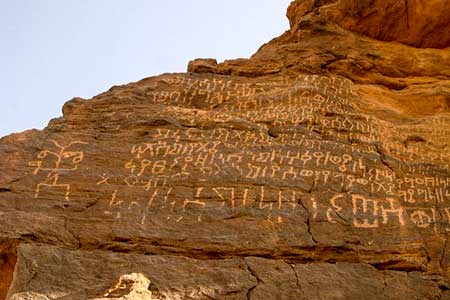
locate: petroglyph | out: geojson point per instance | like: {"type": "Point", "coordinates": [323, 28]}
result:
{"type": "Point", "coordinates": [56, 164]}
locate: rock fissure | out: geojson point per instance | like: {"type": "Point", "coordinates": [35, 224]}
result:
{"type": "Point", "coordinates": [306, 256]}
{"type": "Point", "coordinates": [297, 280]}
{"type": "Point", "coordinates": [255, 276]}
{"type": "Point", "coordinates": [385, 286]}
{"type": "Point", "coordinates": [308, 220]}
{"type": "Point", "coordinates": [407, 14]}
{"type": "Point", "coordinates": [444, 251]}
{"type": "Point", "coordinates": [325, 150]}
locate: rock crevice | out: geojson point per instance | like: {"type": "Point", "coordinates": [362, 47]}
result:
{"type": "Point", "coordinates": [319, 168]}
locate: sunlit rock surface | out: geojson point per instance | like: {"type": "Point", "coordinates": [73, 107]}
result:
{"type": "Point", "coordinates": [317, 169]}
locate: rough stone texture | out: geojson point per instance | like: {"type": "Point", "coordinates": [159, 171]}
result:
{"type": "Point", "coordinates": [101, 274]}
{"type": "Point", "coordinates": [132, 286]}
{"type": "Point", "coordinates": [417, 23]}
{"type": "Point", "coordinates": [317, 169]}
{"type": "Point", "coordinates": [8, 259]}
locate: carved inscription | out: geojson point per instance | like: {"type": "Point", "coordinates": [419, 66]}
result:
{"type": "Point", "coordinates": [56, 163]}
{"type": "Point", "coordinates": [274, 150]}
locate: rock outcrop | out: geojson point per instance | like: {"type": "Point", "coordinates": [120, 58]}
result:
{"type": "Point", "coordinates": [317, 169]}
{"type": "Point", "coordinates": [418, 23]}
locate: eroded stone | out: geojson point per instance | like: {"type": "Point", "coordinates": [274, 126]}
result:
{"type": "Point", "coordinates": [317, 169]}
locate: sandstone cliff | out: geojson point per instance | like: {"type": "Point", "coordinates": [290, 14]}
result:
{"type": "Point", "coordinates": [317, 169]}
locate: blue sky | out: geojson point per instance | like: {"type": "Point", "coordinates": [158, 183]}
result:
{"type": "Point", "coordinates": [54, 50]}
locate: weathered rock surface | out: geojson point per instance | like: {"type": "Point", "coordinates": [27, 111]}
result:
{"type": "Point", "coordinates": [317, 169]}
{"type": "Point", "coordinates": [419, 23]}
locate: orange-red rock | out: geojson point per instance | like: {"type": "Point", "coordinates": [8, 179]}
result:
{"type": "Point", "coordinates": [418, 23]}
{"type": "Point", "coordinates": [317, 169]}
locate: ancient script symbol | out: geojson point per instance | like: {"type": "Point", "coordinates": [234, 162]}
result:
{"type": "Point", "coordinates": [61, 161]}
{"type": "Point", "coordinates": [421, 219]}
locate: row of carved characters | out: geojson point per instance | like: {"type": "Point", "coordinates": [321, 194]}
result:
{"type": "Point", "coordinates": [213, 92]}
{"type": "Point", "coordinates": [286, 136]}
{"type": "Point", "coordinates": [344, 128]}
{"type": "Point", "coordinates": [259, 136]}
{"type": "Point", "coordinates": [164, 147]}
{"type": "Point", "coordinates": [236, 139]}
{"type": "Point", "coordinates": [270, 160]}
{"type": "Point", "coordinates": [366, 140]}
{"type": "Point", "coordinates": [441, 155]}
{"type": "Point", "coordinates": [307, 180]}
{"type": "Point", "coordinates": [427, 138]}
{"type": "Point", "coordinates": [280, 82]}
{"type": "Point", "coordinates": [434, 127]}
{"type": "Point", "coordinates": [195, 117]}
{"type": "Point", "coordinates": [61, 161]}
{"type": "Point", "coordinates": [203, 159]}
{"type": "Point", "coordinates": [427, 169]}
{"type": "Point", "coordinates": [308, 97]}
{"type": "Point", "coordinates": [313, 117]}
{"type": "Point", "coordinates": [424, 140]}
{"type": "Point", "coordinates": [365, 212]}
{"type": "Point", "coordinates": [366, 130]}
{"type": "Point", "coordinates": [360, 142]}
{"type": "Point", "coordinates": [278, 167]}
{"type": "Point", "coordinates": [315, 180]}
{"type": "Point", "coordinates": [202, 98]}
{"type": "Point", "coordinates": [217, 134]}
{"type": "Point", "coordinates": [245, 100]}
{"type": "Point", "coordinates": [419, 151]}
{"type": "Point", "coordinates": [297, 136]}
{"type": "Point", "coordinates": [178, 203]}
{"type": "Point", "coordinates": [214, 84]}
{"type": "Point", "coordinates": [424, 195]}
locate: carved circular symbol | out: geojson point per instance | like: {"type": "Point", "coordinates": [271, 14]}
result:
{"type": "Point", "coordinates": [421, 219]}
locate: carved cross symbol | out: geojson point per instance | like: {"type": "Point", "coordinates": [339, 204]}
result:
{"type": "Point", "coordinates": [104, 179]}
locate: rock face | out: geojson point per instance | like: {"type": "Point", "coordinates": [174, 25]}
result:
{"type": "Point", "coordinates": [418, 23]}
{"type": "Point", "coordinates": [317, 169]}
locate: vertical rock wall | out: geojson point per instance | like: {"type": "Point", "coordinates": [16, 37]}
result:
{"type": "Point", "coordinates": [317, 169]}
